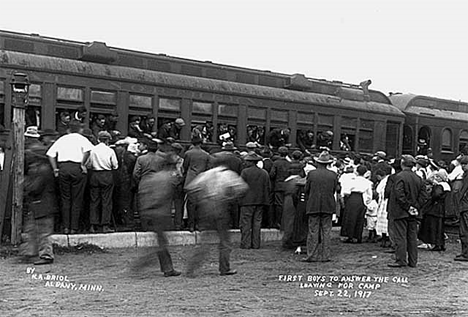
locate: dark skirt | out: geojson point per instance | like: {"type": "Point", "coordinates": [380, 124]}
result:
{"type": "Point", "coordinates": [353, 217]}
{"type": "Point", "coordinates": [452, 209]}
{"type": "Point", "coordinates": [301, 221]}
{"type": "Point", "coordinates": [432, 230]}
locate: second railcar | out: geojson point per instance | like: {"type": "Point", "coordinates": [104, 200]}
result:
{"type": "Point", "coordinates": [433, 125]}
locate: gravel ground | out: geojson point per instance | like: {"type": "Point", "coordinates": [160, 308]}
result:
{"type": "Point", "coordinates": [89, 281]}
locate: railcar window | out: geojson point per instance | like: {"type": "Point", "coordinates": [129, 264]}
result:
{"type": "Point", "coordinates": [33, 110]}
{"type": "Point", "coordinates": [306, 118]}
{"type": "Point", "coordinates": [256, 133]}
{"type": "Point", "coordinates": [256, 113]}
{"type": "Point", "coordinates": [203, 130]}
{"type": "Point", "coordinates": [227, 110]}
{"type": "Point", "coordinates": [305, 139]}
{"type": "Point", "coordinates": [103, 97]}
{"type": "Point", "coordinates": [227, 133]}
{"type": "Point", "coordinates": [139, 101]}
{"type": "Point", "coordinates": [407, 139]}
{"type": "Point", "coordinates": [447, 140]}
{"type": "Point", "coordinates": [169, 104]}
{"type": "Point", "coordinates": [70, 94]}
{"type": "Point", "coordinates": [227, 124]}
{"type": "Point", "coordinates": [424, 140]}
{"type": "Point", "coordinates": [278, 115]}
{"type": "Point", "coordinates": [463, 142]}
{"type": "Point", "coordinates": [202, 108]}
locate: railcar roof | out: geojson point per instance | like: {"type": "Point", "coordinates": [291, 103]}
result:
{"type": "Point", "coordinates": [49, 46]}
{"type": "Point", "coordinates": [119, 73]}
{"type": "Point", "coordinates": [430, 106]}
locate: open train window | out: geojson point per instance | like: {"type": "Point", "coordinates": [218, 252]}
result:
{"type": "Point", "coordinates": [202, 120]}
{"type": "Point", "coordinates": [256, 133]}
{"type": "Point", "coordinates": [424, 140]}
{"type": "Point", "coordinates": [227, 124]}
{"type": "Point", "coordinates": [447, 143]}
{"type": "Point", "coordinates": [34, 109]}
{"type": "Point", "coordinates": [407, 139]}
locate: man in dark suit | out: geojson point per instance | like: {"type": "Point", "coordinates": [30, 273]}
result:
{"type": "Point", "coordinates": [404, 209]}
{"type": "Point", "coordinates": [464, 212]}
{"type": "Point", "coordinates": [321, 186]}
{"type": "Point", "coordinates": [253, 202]}
{"type": "Point", "coordinates": [279, 172]}
{"type": "Point", "coordinates": [196, 161]}
{"type": "Point", "coordinates": [233, 163]}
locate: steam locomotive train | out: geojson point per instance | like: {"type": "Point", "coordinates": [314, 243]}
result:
{"type": "Point", "coordinates": [220, 100]}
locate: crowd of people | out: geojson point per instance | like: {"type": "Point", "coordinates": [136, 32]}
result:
{"type": "Point", "coordinates": [149, 181]}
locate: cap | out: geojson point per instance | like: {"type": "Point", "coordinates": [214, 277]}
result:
{"type": "Point", "coordinates": [179, 121]}
{"type": "Point", "coordinates": [283, 150]}
{"type": "Point", "coordinates": [251, 145]}
{"type": "Point", "coordinates": [177, 146]}
{"type": "Point", "coordinates": [252, 157]}
{"type": "Point", "coordinates": [104, 135]}
{"type": "Point", "coordinates": [408, 160]}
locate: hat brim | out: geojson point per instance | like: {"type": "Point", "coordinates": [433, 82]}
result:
{"type": "Point", "coordinates": [323, 162]}
{"type": "Point", "coordinates": [32, 135]}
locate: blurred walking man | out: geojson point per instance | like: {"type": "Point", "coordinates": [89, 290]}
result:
{"type": "Point", "coordinates": [213, 190]}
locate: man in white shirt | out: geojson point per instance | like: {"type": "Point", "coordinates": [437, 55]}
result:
{"type": "Point", "coordinates": [102, 161]}
{"type": "Point", "coordinates": [68, 156]}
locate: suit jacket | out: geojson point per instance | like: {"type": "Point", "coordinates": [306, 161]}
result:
{"type": "Point", "coordinates": [408, 191]}
{"type": "Point", "coordinates": [279, 172]}
{"type": "Point", "coordinates": [321, 186]}
{"type": "Point", "coordinates": [196, 161]}
{"type": "Point", "coordinates": [259, 186]}
{"type": "Point", "coordinates": [148, 164]}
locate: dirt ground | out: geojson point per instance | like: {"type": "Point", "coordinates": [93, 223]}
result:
{"type": "Point", "coordinates": [101, 284]}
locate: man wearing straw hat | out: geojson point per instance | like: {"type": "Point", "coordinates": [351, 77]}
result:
{"type": "Point", "coordinates": [321, 186]}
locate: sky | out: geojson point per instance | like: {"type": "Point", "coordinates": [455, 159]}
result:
{"type": "Point", "coordinates": [411, 46]}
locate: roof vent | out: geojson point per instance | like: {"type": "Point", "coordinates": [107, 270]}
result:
{"type": "Point", "coordinates": [98, 52]}
{"type": "Point", "coordinates": [298, 82]}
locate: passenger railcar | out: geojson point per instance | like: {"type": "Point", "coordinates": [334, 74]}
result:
{"type": "Point", "coordinates": [432, 124]}
{"type": "Point", "coordinates": [249, 103]}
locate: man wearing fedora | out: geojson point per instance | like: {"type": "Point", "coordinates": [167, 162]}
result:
{"type": "Point", "coordinates": [279, 172]}
{"type": "Point", "coordinates": [407, 197]}
{"type": "Point", "coordinates": [253, 202]}
{"type": "Point", "coordinates": [196, 161]}
{"type": "Point", "coordinates": [235, 164]}
{"type": "Point", "coordinates": [321, 186]}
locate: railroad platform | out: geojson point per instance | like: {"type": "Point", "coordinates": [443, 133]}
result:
{"type": "Point", "coordinates": [146, 239]}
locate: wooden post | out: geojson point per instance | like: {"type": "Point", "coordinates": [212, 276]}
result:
{"type": "Point", "coordinates": [20, 87]}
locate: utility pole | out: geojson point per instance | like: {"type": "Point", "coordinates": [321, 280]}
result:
{"type": "Point", "coordinates": [19, 100]}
